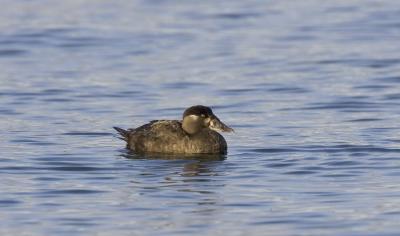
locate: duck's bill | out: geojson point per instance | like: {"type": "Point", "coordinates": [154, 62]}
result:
{"type": "Point", "coordinates": [217, 125]}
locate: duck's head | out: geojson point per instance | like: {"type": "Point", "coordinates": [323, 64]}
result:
{"type": "Point", "coordinates": [200, 117]}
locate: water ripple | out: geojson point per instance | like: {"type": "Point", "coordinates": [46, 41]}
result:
{"type": "Point", "coordinates": [328, 149]}
{"type": "Point", "coordinates": [373, 63]}
{"type": "Point", "coordinates": [83, 133]}
{"type": "Point", "coordinates": [12, 52]}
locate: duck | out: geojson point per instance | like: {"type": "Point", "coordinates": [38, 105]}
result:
{"type": "Point", "coordinates": [196, 133]}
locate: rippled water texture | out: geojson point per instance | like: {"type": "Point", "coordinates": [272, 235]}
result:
{"type": "Point", "coordinates": [312, 89]}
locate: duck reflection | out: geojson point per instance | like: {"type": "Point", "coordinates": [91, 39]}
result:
{"type": "Point", "coordinates": [181, 180]}
{"type": "Point", "coordinates": [159, 156]}
{"type": "Point", "coordinates": [192, 164]}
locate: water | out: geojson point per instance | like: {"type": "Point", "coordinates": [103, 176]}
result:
{"type": "Point", "coordinates": [312, 89]}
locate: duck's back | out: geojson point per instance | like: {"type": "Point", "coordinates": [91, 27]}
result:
{"type": "Point", "coordinates": [167, 136]}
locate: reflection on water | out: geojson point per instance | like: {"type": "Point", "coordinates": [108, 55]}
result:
{"type": "Point", "coordinates": [192, 180]}
{"type": "Point", "coordinates": [311, 89]}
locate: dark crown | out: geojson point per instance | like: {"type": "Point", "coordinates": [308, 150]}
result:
{"type": "Point", "coordinates": [198, 110]}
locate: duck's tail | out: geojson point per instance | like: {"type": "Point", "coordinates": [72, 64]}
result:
{"type": "Point", "coordinates": [124, 133]}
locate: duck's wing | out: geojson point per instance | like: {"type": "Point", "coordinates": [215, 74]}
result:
{"type": "Point", "coordinates": [125, 134]}
{"type": "Point", "coordinates": [155, 136]}
{"type": "Point", "coordinates": [163, 136]}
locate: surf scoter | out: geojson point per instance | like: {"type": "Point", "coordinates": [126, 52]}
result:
{"type": "Point", "coordinates": [195, 134]}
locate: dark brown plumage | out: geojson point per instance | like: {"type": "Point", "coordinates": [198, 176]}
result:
{"type": "Point", "coordinates": [194, 135]}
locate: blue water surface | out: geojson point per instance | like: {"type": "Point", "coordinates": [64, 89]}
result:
{"type": "Point", "coordinates": [312, 89]}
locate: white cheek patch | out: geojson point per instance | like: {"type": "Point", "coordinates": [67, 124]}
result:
{"type": "Point", "coordinates": [212, 123]}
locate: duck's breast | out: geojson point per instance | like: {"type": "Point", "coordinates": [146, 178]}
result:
{"type": "Point", "coordinates": [209, 141]}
